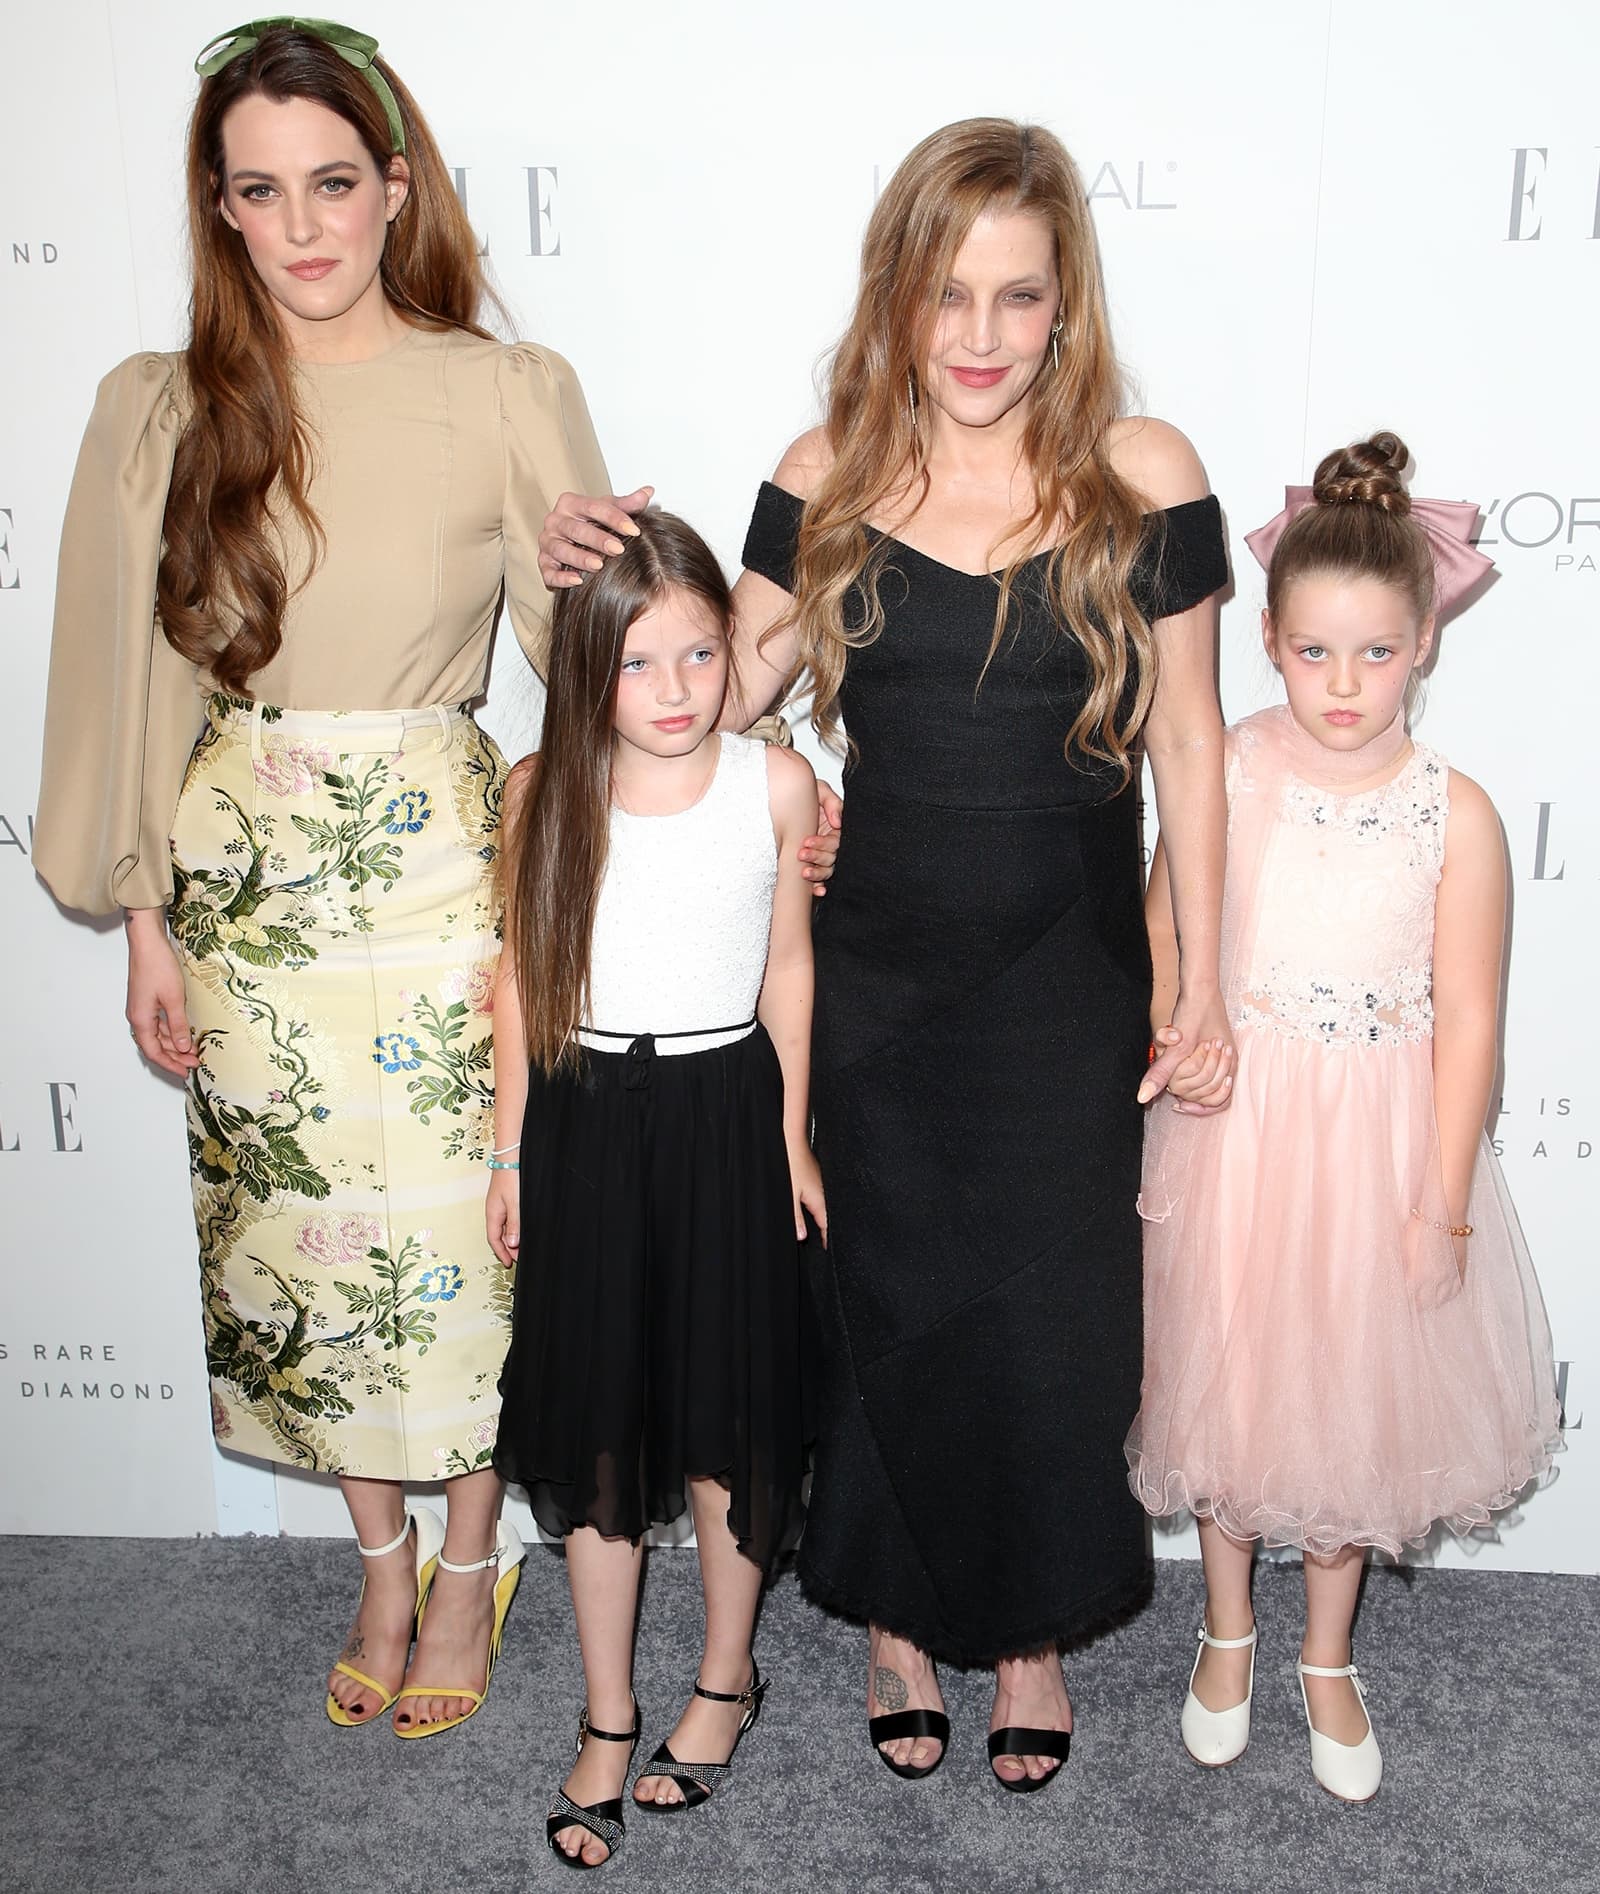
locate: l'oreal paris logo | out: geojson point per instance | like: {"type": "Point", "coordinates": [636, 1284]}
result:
{"type": "Point", "coordinates": [1534, 520]}
{"type": "Point", "coordinates": [1137, 184]}
{"type": "Point", "coordinates": [1111, 184]}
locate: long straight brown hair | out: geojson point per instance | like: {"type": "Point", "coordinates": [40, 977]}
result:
{"type": "Point", "coordinates": [554, 848]}
{"type": "Point", "coordinates": [880, 438]}
{"type": "Point", "coordinates": [221, 589]}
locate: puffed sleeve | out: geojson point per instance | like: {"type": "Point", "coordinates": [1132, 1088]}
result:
{"type": "Point", "coordinates": [550, 449]}
{"type": "Point", "coordinates": [123, 709]}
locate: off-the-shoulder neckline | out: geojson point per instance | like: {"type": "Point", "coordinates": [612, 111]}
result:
{"type": "Point", "coordinates": [961, 572]}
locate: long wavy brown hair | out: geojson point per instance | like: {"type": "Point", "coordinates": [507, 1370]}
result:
{"type": "Point", "coordinates": [243, 455]}
{"type": "Point", "coordinates": [554, 855]}
{"type": "Point", "coordinates": [880, 439]}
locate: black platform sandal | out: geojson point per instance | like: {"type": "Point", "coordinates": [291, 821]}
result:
{"type": "Point", "coordinates": [602, 1819]}
{"type": "Point", "coordinates": [698, 1779]}
{"type": "Point", "coordinates": [1016, 1741]}
{"type": "Point", "coordinates": [913, 1723]}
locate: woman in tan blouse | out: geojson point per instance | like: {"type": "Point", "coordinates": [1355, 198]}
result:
{"type": "Point", "coordinates": [281, 565]}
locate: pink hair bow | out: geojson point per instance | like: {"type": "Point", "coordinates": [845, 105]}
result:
{"type": "Point", "coordinates": [1457, 563]}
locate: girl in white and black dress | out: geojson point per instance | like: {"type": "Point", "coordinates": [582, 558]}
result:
{"type": "Point", "coordinates": [652, 1029]}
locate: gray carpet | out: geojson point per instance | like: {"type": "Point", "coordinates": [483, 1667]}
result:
{"type": "Point", "coordinates": [165, 1732]}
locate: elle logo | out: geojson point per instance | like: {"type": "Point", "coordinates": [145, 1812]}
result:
{"type": "Point", "coordinates": [10, 578]}
{"type": "Point", "coordinates": [1528, 168]}
{"type": "Point", "coordinates": [1542, 868]}
{"type": "Point", "coordinates": [1570, 1423]}
{"type": "Point", "coordinates": [459, 174]}
{"type": "Point", "coordinates": [63, 1105]}
{"type": "Point", "coordinates": [544, 233]}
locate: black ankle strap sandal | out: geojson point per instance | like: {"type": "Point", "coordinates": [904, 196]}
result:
{"type": "Point", "coordinates": [1018, 1741]}
{"type": "Point", "coordinates": [913, 1723]}
{"type": "Point", "coordinates": [603, 1820]}
{"type": "Point", "coordinates": [699, 1779]}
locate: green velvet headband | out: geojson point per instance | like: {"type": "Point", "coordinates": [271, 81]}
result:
{"type": "Point", "coordinates": [355, 49]}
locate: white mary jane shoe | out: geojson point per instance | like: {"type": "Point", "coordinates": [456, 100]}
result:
{"type": "Point", "coordinates": [1217, 1737]}
{"type": "Point", "coordinates": [1351, 1771]}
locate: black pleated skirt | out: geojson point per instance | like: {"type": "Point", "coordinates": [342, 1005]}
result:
{"type": "Point", "coordinates": [657, 1330]}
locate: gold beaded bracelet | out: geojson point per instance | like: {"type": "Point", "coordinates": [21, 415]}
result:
{"type": "Point", "coordinates": [1449, 1229]}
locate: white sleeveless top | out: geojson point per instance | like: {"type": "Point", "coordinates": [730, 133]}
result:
{"type": "Point", "coordinates": [685, 911]}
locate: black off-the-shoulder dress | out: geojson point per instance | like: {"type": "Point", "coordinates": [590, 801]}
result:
{"type": "Point", "coordinates": [982, 1022]}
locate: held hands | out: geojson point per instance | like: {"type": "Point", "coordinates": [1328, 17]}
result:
{"type": "Point", "coordinates": [805, 1182]}
{"type": "Point", "coordinates": [1203, 1082]}
{"type": "Point", "coordinates": [502, 1215]}
{"type": "Point", "coordinates": [1194, 1062]}
{"type": "Point", "coordinates": [583, 530]}
{"type": "Point", "coordinates": [157, 1016]}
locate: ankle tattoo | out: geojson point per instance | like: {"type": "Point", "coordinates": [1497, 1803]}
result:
{"type": "Point", "coordinates": [889, 1687]}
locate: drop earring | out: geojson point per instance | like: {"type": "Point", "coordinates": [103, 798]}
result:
{"type": "Point", "coordinates": [1055, 348]}
{"type": "Point", "coordinates": [911, 399]}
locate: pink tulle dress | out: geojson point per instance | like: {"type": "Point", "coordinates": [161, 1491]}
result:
{"type": "Point", "coordinates": [1317, 1371]}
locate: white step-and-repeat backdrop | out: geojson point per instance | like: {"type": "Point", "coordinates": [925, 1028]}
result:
{"type": "Point", "coordinates": [1316, 220]}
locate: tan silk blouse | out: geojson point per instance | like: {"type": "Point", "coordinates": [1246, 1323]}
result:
{"type": "Point", "coordinates": [435, 466]}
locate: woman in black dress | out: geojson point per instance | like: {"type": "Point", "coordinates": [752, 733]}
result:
{"type": "Point", "coordinates": [1002, 586]}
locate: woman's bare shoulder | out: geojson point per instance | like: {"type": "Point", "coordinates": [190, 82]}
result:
{"type": "Point", "coordinates": [804, 464]}
{"type": "Point", "coordinates": [1157, 460]}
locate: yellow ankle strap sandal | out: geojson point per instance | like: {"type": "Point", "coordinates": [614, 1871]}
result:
{"type": "Point", "coordinates": [506, 1559]}
{"type": "Point", "coordinates": [429, 1530]}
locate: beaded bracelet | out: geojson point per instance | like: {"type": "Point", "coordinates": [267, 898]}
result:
{"type": "Point", "coordinates": [1448, 1229]}
{"type": "Point", "coordinates": [495, 1164]}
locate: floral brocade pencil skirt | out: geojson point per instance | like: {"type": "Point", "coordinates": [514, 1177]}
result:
{"type": "Point", "coordinates": [335, 913]}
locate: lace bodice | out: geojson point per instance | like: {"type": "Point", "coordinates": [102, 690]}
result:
{"type": "Point", "coordinates": [680, 935]}
{"type": "Point", "coordinates": [1341, 950]}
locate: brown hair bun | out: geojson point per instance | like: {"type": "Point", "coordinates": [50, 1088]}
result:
{"type": "Point", "coordinates": [1367, 471]}
{"type": "Point", "coordinates": [1359, 528]}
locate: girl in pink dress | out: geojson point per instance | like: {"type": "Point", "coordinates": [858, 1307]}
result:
{"type": "Point", "coordinates": [1345, 1342]}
